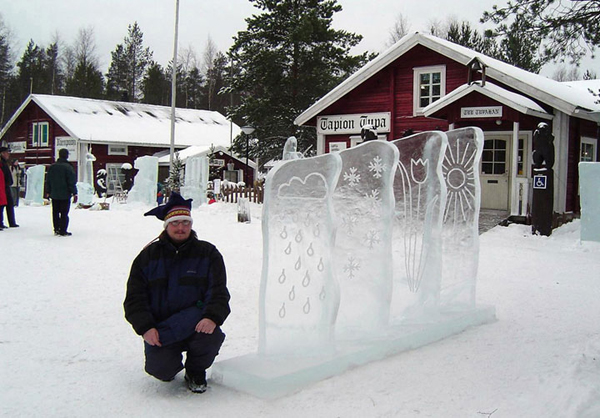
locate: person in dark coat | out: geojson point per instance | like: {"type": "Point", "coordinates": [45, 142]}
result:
{"type": "Point", "coordinates": [2, 195]}
{"type": "Point", "coordinates": [61, 184]}
{"type": "Point", "coordinates": [177, 298]}
{"type": "Point", "coordinates": [6, 185]}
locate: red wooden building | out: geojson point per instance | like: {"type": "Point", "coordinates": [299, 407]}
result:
{"type": "Point", "coordinates": [115, 132]}
{"type": "Point", "coordinates": [426, 83]}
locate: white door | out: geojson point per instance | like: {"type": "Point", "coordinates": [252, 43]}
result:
{"type": "Point", "coordinates": [495, 164]}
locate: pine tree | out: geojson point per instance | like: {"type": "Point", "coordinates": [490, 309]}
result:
{"type": "Point", "coordinates": [155, 87]}
{"type": "Point", "coordinates": [129, 62]}
{"type": "Point", "coordinates": [561, 25]}
{"type": "Point", "coordinates": [520, 47]}
{"type": "Point", "coordinates": [175, 180]}
{"type": "Point", "coordinates": [288, 57]}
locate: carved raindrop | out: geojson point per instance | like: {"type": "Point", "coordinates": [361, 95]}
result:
{"type": "Point", "coordinates": [298, 237]}
{"type": "Point", "coordinates": [284, 233]}
{"type": "Point", "coordinates": [310, 250]}
{"type": "Point", "coordinates": [307, 220]}
{"type": "Point", "coordinates": [292, 294]}
{"type": "Point", "coordinates": [322, 294]}
{"type": "Point", "coordinates": [298, 264]}
{"type": "Point", "coordinates": [306, 307]}
{"type": "Point", "coordinates": [282, 277]}
{"type": "Point", "coordinates": [317, 230]}
{"type": "Point", "coordinates": [282, 311]}
{"type": "Point", "coordinates": [306, 279]}
{"type": "Point", "coordinates": [288, 249]}
{"type": "Point", "coordinates": [321, 266]}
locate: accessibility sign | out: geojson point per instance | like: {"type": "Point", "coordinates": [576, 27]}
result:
{"type": "Point", "coordinates": [540, 181]}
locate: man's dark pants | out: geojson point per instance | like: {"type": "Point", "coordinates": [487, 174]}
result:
{"type": "Point", "coordinates": [165, 362]}
{"type": "Point", "coordinates": [60, 215]}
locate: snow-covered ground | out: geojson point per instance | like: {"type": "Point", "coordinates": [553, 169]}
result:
{"type": "Point", "coordinates": [66, 350]}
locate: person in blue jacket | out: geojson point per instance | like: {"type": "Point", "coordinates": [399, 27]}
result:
{"type": "Point", "coordinates": [177, 298]}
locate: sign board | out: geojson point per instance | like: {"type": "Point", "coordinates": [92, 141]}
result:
{"type": "Point", "coordinates": [217, 162]}
{"type": "Point", "coordinates": [481, 112]}
{"type": "Point", "coordinates": [17, 147]}
{"type": "Point", "coordinates": [352, 124]}
{"type": "Point", "coordinates": [66, 142]}
{"type": "Point", "coordinates": [217, 187]}
{"type": "Point", "coordinates": [540, 181]}
{"type": "Point", "coordinates": [337, 146]}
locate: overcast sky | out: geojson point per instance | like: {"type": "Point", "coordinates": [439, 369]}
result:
{"type": "Point", "coordinates": [220, 20]}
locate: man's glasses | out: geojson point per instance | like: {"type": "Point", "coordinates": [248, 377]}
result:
{"type": "Point", "coordinates": [177, 223]}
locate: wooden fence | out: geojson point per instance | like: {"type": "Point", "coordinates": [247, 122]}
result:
{"type": "Point", "coordinates": [232, 194]}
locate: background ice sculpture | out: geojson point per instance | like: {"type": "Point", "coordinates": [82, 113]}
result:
{"type": "Point", "coordinates": [85, 188]}
{"type": "Point", "coordinates": [145, 183]}
{"type": "Point", "coordinates": [420, 196]}
{"type": "Point", "coordinates": [363, 203]}
{"type": "Point", "coordinates": [34, 191]}
{"type": "Point", "coordinates": [195, 180]}
{"type": "Point", "coordinates": [298, 295]}
{"type": "Point", "coordinates": [589, 173]}
{"type": "Point", "coordinates": [290, 149]}
{"type": "Point", "coordinates": [460, 232]}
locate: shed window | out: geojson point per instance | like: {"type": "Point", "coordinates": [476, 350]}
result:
{"type": "Point", "coordinates": [493, 159]}
{"type": "Point", "coordinates": [429, 85]}
{"type": "Point", "coordinates": [117, 150]}
{"type": "Point", "coordinates": [39, 137]}
{"type": "Point", "coordinates": [588, 149]}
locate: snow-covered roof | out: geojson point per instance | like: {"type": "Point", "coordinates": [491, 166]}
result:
{"type": "Point", "coordinates": [508, 98]}
{"type": "Point", "coordinates": [198, 151]}
{"type": "Point", "coordinates": [556, 94]}
{"type": "Point", "coordinates": [108, 122]}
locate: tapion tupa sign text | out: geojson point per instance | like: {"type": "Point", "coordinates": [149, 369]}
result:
{"type": "Point", "coordinates": [352, 124]}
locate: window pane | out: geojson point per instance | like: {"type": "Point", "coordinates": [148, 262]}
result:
{"type": "Point", "coordinates": [499, 144]}
{"type": "Point", "coordinates": [500, 156]}
{"type": "Point", "coordinates": [425, 78]}
{"type": "Point", "coordinates": [437, 77]}
{"type": "Point", "coordinates": [424, 91]}
{"type": "Point", "coordinates": [486, 168]}
{"type": "Point", "coordinates": [488, 144]}
{"type": "Point", "coordinates": [487, 156]}
{"type": "Point", "coordinates": [424, 102]}
{"type": "Point", "coordinates": [44, 139]}
{"type": "Point", "coordinates": [435, 91]}
{"type": "Point", "coordinates": [34, 137]}
{"type": "Point", "coordinates": [499, 168]}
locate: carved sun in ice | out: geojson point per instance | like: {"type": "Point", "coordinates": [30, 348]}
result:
{"type": "Point", "coordinates": [459, 174]}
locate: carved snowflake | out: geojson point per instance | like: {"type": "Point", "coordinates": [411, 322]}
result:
{"type": "Point", "coordinates": [372, 238]}
{"type": "Point", "coordinates": [374, 201]}
{"type": "Point", "coordinates": [352, 178]}
{"type": "Point", "coordinates": [349, 222]}
{"type": "Point", "coordinates": [377, 167]}
{"type": "Point", "coordinates": [352, 266]}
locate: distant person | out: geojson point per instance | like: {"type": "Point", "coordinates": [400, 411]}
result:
{"type": "Point", "coordinates": [6, 185]}
{"type": "Point", "coordinates": [2, 196]}
{"type": "Point", "coordinates": [177, 298]}
{"type": "Point", "coordinates": [61, 185]}
{"type": "Point", "coordinates": [15, 172]}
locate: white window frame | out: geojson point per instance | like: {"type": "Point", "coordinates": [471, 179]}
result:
{"type": "Point", "coordinates": [111, 150]}
{"type": "Point", "coordinates": [589, 141]}
{"type": "Point", "coordinates": [111, 181]}
{"type": "Point", "coordinates": [38, 138]}
{"type": "Point", "coordinates": [417, 72]}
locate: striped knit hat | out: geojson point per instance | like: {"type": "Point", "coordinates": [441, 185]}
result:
{"type": "Point", "coordinates": [176, 209]}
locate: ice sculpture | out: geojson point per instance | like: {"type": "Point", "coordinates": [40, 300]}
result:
{"type": "Point", "coordinates": [85, 188]}
{"type": "Point", "coordinates": [195, 180]}
{"type": "Point", "coordinates": [34, 191]}
{"type": "Point", "coordinates": [298, 296]}
{"type": "Point", "coordinates": [145, 183]}
{"type": "Point", "coordinates": [460, 232]}
{"type": "Point", "coordinates": [420, 196]}
{"type": "Point", "coordinates": [589, 173]}
{"type": "Point", "coordinates": [364, 209]}
{"type": "Point", "coordinates": [290, 149]}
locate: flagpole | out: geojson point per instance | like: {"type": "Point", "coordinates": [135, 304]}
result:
{"type": "Point", "coordinates": [174, 88]}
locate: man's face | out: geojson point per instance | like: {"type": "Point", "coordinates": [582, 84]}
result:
{"type": "Point", "coordinates": [4, 154]}
{"type": "Point", "coordinates": [179, 231]}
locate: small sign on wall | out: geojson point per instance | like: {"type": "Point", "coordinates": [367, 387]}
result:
{"type": "Point", "coordinates": [337, 146]}
{"type": "Point", "coordinates": [481, 112]}
{"type": "Point", "coordinates": [66, 142]}
{"type": "Point", "coordinates": [17, 147]}
{"type": "Point", "coordinates": [540, 181]}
